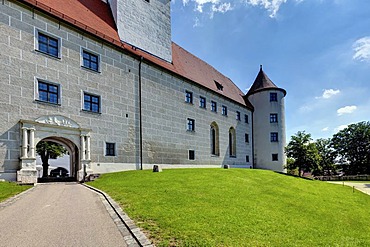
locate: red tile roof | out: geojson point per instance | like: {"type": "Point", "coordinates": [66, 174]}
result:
{"type": "Point", "coordinates": [95, 17]}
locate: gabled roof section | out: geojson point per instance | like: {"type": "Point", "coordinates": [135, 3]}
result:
{"type": "Point", "coordinates": [261, 83]}
{"type": "Point", "coordinates": [95, 18]}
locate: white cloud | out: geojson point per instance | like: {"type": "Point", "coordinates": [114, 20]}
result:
{"type": "Point", "coordinates": [340, 127]}
{"type": "Point", "coordinates": [346, 110]}
{"type": "Point", "coordinates": [223, 6]}
{"type": "Point", "coordinates": [325, 129]}
{"type": "Point", "coordinates": [362, 49]}
{"type": "Point", "coordinates": [328, 93]}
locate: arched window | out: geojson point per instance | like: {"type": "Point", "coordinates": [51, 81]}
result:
{"type": "Point", "coordinates": [232, 142]}
{"type": "Point", "coordinates": [215, 147]}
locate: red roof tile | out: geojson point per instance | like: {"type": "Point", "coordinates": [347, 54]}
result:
{"type": "Point", "coordinates": [95, 17]}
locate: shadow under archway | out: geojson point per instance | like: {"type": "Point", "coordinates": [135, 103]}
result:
{"type": "Point", "coordinates": [74, 161]}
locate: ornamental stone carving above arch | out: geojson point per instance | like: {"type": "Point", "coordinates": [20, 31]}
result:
{"type": "Point", "coordinates": [57, 120]}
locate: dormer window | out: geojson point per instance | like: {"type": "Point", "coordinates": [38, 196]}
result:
{"type": "Point", "coordinates": [219, 86]}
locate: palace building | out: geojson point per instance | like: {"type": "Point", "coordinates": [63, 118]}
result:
{"type": "Point", "coordinates": [104, 79]}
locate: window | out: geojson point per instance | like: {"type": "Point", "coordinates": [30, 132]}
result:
{"type": "Point", "coordinates": [273, 97]}
{"type": "Point", "coordinates": [48, 92]}
{"type": "Point", "coordinates": [224, 110]}
{"type": "Point", "coordinates": [246, 118]}
{"type": "Point", "coordinates": [213, 106]}
{"type": "Point", "coordinates": [215, 150]}
{"type": "Point", "coordinates": [232, 142]}
{"type": "Point", "coordinates": [246, 138]}
{"type": "Point", "coordinates": [219, 86]}
{"type": "Point", "coordinates": [202, 102]}
{"type": "Point", "coordinates": [273, 118]}
{"type": "Point", "coordinates": [91, 103]}
{"type": "Point", "coordinates": [191, 155]}
{"type": "Point", "coordinates": [274, 137]}
{"type": "Point", "coordinates": [191, 124]}
{"type": "Point", "coordinates": [110, 149]}
{"type": "Point", "coordinates": [47, 44]}
{"type": "Point", "coordinates": [90, 60]}
{"type": "Point", "coordinates": [247, 158]}
{"type": "Point", "coordinates": [275, 157]}
{"type": "Point", "coordinates": [189, 97]}
{"type": "Point", "coordinates": [238, 115]}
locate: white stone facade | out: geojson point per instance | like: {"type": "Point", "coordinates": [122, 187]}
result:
{"type": "Point", "coordinates": [145, 24]}
{"type": "Point", "coordinates": [166, 140]}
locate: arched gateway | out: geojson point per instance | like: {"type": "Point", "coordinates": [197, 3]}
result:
{"type": "Point", "coordinates": [58, 129]}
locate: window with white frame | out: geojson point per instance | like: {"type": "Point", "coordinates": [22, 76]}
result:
{"type": "Point", "coordinates": [48, 92]}
{"type": "Point", "coordinates": [274, 137]}
{"type": "Point", "coordinates": [91, 102]}
{"type": "Point", "coordinates": [224, 110]}
{"type": "Point", "coordinates": [110, 149]}
{"type": "Point", "coordinates": [90, 60]}
{"type": "Point", "coordinates": [190, 124]}
{"type": "Point", "coordinates": [189, 97]}
{"type": "Point", "coordinates": [213, 106]}
{"type": "Point", "coordinates": [273, 118]}
{"type": "Point", "coordinates": [202, 102]}
{"type": "Point", "coordinates": [191, 154]}
{"type": "Point", "coordinates": [48, 44]}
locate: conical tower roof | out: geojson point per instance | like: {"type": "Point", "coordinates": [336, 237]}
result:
{"type": "Point", "coordinates": [263, 82]}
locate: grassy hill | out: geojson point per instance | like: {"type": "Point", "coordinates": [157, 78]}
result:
{"type": "Point", "coordinates": [240, 207]}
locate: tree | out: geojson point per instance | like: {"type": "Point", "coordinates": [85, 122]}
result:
{"type": "Point", "coordinates": [326, 157]}
{"type": "Point", "coordinates": [48, 150]}
{"type": "Point", "coordinates": [352, 146]}
{"type": "Point", "coordinates": [303, 151]}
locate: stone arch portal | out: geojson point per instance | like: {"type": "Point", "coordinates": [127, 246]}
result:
{"type": "Point", "coordinates": [58, 129]}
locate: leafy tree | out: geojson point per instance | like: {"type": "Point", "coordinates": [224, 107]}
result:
{"type": "Point", "coordinates": [352, 146]}
{"type": "Point", "coordinates": [303, 151]}
{"type": "Point", "coordinates": [48, 150]}
{"type": "Point", "coordinates": [326, 157]}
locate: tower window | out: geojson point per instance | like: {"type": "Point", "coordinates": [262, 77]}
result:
{"type": "Point", "coordinates": [246, 118]}
{"type": "Point", "coordinates": [275, 157]}
{"type": "Point", "coordinates": [247, 158]}
{"type": "Point", "coordinates": [274, 137]}
{"type": "Point", "coordinates": [273, 118]}
{"type": "Point", "coordinates": [246, 138]}
{"type": "Point", "coordinates": [273, 97]}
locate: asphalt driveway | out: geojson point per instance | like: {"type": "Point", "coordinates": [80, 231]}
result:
{"type": "Point", "coordinates": [63, 214]}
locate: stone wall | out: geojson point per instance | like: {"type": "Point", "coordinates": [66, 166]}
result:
{"type": "Point", "coordinates": [164, 111]}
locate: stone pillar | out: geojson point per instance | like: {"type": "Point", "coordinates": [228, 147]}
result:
{"type": "Point", "coordinates": [88, 147]}
{"type": "Point", "coordinates": [83, 147]}
{"type": "Point", "coordinates": [32, 143]}
{"type": "Point", "coordinates": [25, 143]}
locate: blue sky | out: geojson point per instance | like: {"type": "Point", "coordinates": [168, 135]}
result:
{"type": "Point", "coordinates": [318, 50]}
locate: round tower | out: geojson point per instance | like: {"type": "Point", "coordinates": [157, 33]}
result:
{"type": "Point", "coordinates": [269, 137]}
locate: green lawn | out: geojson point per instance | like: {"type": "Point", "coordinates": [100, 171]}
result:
{"type": "Point", "coordinates": [240, 207]}
{"type": "Point", "coordinates": [8, 190]}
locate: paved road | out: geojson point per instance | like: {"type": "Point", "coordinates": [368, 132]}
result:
{"type": "Point", "coordinates": [63, 214]}
{"type": "Point", "coordinates": [364, 187]}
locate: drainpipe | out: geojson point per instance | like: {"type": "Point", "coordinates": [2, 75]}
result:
{"type": "Point", "coordinates": [140, 116]}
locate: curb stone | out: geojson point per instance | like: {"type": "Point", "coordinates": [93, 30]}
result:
{"type": "Point", "coordinates": [132, 234]}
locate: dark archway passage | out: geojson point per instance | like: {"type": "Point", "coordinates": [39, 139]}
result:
{"type": "Point", "coordinates": [65, 172]}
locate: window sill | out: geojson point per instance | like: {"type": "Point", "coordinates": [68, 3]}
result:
{"type": "Point", "coordinates": [49, 55]}
{"type": "Point", "coordinates": [190, 131]}
{"type": "Point", "coordinates": [232, 156]}
{"type": "Point", "coordinates": [91, 112]}
{"type": "Point", "coordinates": [47, 103]}
{"type": "Point", "coordinates": [91, 70]}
